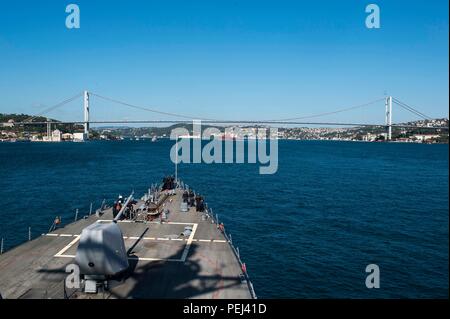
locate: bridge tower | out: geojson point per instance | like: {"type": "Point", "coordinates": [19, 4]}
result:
{"type": "Point", "coordinates": [86, 114]}
{"type": "Point", "coordinates": [49, 129]}
{"type": "Point", "coordinates": [388, 105]}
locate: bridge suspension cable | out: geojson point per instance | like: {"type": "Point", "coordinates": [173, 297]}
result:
{"type": "Point", "coordinates": [148, 109]}
{"type": "Point", "coordinates": [411, 109]}
{"type": "Point", "coordinates": [235, 123]}
{"type": "Point", "coordinates": [54, 107]}
{"type": "Point", "coordinates": [209, 119]}
{"type": "Point", "coordinates": [286, 121]}
{"type": "Point", "coordinates": [328, 113]}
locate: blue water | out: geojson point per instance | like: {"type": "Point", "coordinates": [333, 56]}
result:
{"type": "Point", "coordinates": [306, 232]}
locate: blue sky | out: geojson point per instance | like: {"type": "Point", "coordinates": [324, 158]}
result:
{"type": "Point", "coordinates": [225, 59]}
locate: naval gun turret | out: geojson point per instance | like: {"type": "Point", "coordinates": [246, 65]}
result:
{"type": "Point", "coordinates": [101, 252]}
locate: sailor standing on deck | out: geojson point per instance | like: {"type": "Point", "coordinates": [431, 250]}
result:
{"type": "Point", "coordinates": [57, 221]}
{"type": "Point", "coordinates": [116, 209]}
{"type": "Point", "coordinates": [117, 206]}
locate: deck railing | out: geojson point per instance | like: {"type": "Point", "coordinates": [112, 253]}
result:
{"type": "Point", "coordinates": [235, 250]}
{"type": "Point", "coordinates": [215, 219]}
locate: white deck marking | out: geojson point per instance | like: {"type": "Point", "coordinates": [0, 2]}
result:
{"type": "Point", "coordinates": [155, 259]}
{"type": "Point", "coordinates": [62, 251]}
{"type": "Point", "coordinates": [133, 258]}
{"type": "Point", "coordinates": [183, 258]}
{"type": "Point", "coordinates": [132, 221]}
{"type": "Point", "coordinates": [110, 221]}
{"type": "Point", "coordinates": [151, 238]}
{"type": "Point", "coordinates": [189, 242]}
{"type": "Point", "coordinates": [179, 223]}
{"type": "Point", "coordinates": [56, 235]}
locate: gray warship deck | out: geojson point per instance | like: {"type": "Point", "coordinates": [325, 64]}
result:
{"type": "Point", "coordinates": [163, 263]}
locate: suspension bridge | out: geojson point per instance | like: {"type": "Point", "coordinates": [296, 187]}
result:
{"type": "Point", "coordinates": [177, 118]}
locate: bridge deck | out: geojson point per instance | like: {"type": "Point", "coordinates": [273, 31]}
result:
{"type": "Point", "coordinates": [164, 264]}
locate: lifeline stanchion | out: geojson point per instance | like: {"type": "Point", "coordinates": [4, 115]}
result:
{"type": "Point", "coordinates": [52, 227]}
{"type": "Point", "coordinates": [76, 215]}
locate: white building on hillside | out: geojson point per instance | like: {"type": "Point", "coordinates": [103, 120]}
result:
{"type": "Point", "coordinates": [67, 136]}
{"type": "Point", "coordinates": [78, 137]}
{"type": "Point", "coordinates": [425, 137]}
{"type": "Point", "coordinates": [56, 136]}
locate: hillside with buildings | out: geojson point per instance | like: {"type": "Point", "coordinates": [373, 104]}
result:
{"type": "Point", "coordinates": [423, 132]}
{"type": "Point", "coordinates": [12, 130]}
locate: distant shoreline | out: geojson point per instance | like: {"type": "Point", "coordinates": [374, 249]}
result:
{"type": "Point", "coordinates": [166, 138]}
